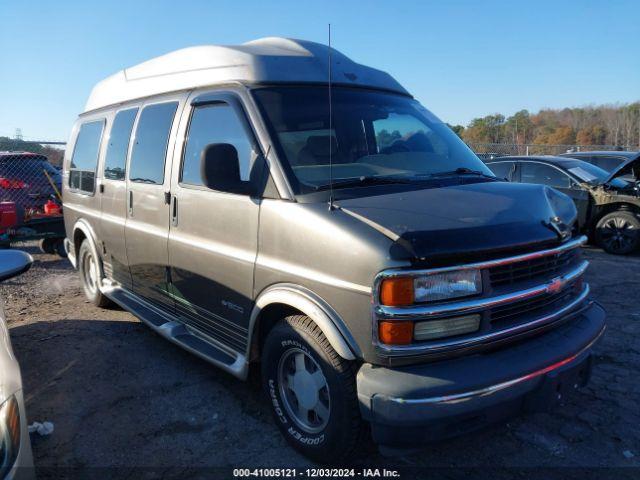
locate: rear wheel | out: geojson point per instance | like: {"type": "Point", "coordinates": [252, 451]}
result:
{"type": "Point", "coordinates": [618, 232]}
{"type": "Point", "coordinates": [59, 248]}
{"type": "Point", "coordinates": [90, 275]}
{"type": "Point", "coordinates": [47, 245]}
{"type": "Point", "coordinates": [312, 391]}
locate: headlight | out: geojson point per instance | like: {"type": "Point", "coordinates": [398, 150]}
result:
{"type": "Point", "coordinates": [444, 286]}
{"type": "Point", "coordinates": [403, 291]}
{"type": "Point", "coordinates": [9, 434]}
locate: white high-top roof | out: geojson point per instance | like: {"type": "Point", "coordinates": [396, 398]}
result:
{"type": "Point", "coordinates": [267, 60]}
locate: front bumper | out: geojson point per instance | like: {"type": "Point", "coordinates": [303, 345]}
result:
{"type": "Point", "coordinates": [421, 403]}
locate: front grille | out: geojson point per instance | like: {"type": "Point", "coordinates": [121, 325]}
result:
{"type": "Point", "coordinates": [521, 311]}
{"type": "Point", "coordinates": [547, 267]}
{"type": "Point", "coordinates": [522, 296]}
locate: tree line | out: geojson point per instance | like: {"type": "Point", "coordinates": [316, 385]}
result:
{"type": "Point", "coordinates": [55, 155]}
{"type": "Point", "coordinates": [617, 125]}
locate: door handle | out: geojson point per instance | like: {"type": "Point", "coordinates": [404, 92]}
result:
{"type": "Point", "coordinates": [130, 203]}
{"type": "Point", "coordinates": [174, 211]}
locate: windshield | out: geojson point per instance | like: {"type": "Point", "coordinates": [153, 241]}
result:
{"type": "Point", "coordinates": [373, 136]}
{"type": "Point", "coordinates": [590, 173]}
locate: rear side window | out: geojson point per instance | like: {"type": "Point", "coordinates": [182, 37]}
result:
{"type": "Point", "coordinates": [150, 148]}
{"type": "Point", "coordinates": [217, 123]}
{"type": "Point", "coordinates": [116, 158]}
{"type": "Point", "coordinates": [82, 171]}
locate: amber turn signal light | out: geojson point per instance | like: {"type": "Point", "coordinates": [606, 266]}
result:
{"type": "Point", "coordinates": [396, 292]}
{"type": "Point", "coordinates": [395, 333]}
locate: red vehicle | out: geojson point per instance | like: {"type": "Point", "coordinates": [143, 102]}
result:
{"type": "Point", "coordinates": [30, 201]}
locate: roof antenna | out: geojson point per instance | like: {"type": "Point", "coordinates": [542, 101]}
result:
{"type": "Point", "coordinates": [331, 206]}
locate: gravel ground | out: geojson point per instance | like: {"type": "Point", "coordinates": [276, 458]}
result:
{"type": "Point", "coordinates": [121, 396]}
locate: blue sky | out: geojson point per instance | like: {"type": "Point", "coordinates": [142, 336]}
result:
{"type": "Point", "coordinates": [461, 59]}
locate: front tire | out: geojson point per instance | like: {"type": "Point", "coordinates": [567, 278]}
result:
{"type": "Point", "coordinates": [618, 232]}
{"type": "Point", "coordinates": [312, 391]}
{"type": "Point", "coordinates": [90, 275]}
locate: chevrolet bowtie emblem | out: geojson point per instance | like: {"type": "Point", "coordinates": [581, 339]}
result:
{"type": "Point", "coordinates": [556, 285]}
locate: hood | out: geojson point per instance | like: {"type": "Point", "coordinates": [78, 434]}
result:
{"type": "Point", "coordinates": [468, 219]}
{"type": "Point", "coordinates": [629, 168]}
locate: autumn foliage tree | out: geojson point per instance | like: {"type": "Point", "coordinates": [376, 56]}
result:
{"type": "Point", "coordinates": [617, 125]}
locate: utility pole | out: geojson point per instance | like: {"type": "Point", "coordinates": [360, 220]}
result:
{"type": "Point", "coordinates": [18, 135]}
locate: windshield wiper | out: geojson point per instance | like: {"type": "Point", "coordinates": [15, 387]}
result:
{"type": "Point", "coordinates": [364, 181]}
{"type": "Point", "coordinates": [462, 171]}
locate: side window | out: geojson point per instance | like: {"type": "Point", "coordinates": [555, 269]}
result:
{"type": "Point", "coordinates": [82, 171]}
{"type": "Point", "coordinates": [544, 175]}
{"type": "Point", "coordinates": [116, 158]}
{"type": "Point", "coordinates": [405, 133]}
{"type": "Point", "coordinates": [150, 148]}
{"type": "Point", "coordinates": [502, 169]}
{"type": "Point", "coordinates": [216, 123]}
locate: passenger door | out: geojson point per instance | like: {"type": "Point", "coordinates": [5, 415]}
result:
{"type": "Point", "coordinates": [147, 225]}
{"type": "Point", "coordinates": [113, 189]}
{"type": "Point", "coordinates": [543, 174]}
{"type": "Point", "coordinates": [213, 234]}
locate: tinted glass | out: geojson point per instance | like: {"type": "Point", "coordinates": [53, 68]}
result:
{"type": "Point", "coordinates": [82, 174]}
{"type": "Point", "coordinates": [116, 158]}
{"type": "Point", "coordinates": [543, 175]}
{"type": "Point", "coordinates": [150, 148]}
{"type": "Point", "coordinates": [607, 163]}
{"type": "Point", "coordinates": [373, 134]}
{"type": "Point", "coordinates": [502, 169]}
{"type": "Point", "coordinates": [215, 124]}
{"type": "Point", "coordinates": [85, 153]}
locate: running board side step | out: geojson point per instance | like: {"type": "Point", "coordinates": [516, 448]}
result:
{"type": "Point", "coordinates": [171, 328]}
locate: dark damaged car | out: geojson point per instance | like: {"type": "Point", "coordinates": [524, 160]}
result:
{"type": "Point", "coordinates": [609, 160]}
{"type": "Point", "coordinates": [608, 203]}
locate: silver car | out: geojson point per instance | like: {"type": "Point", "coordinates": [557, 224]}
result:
{"type": "Point", "coordinates": [276, 205]}
{"type": "Point", "coordinates": [16, 460]}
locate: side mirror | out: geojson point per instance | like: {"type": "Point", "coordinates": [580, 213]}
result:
{"type": "Point", "coordinates": [220, 168]}
{"type": "Point", "coordinates": [13, 263]}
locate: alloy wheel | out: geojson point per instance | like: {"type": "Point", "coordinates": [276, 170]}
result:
{"type": "Point", "coordinates": [304, 390]}
{"type": "Point", "coordinates": [618, 234]}
{"type": "Point", "coordinates": [89, 272]}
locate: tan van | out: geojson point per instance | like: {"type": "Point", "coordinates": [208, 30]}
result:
{"type": "Point", "coordinates": [337, 235]}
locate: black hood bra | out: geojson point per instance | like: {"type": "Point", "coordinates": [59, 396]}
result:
{"type": "Point", "coordinates": [467, 219]}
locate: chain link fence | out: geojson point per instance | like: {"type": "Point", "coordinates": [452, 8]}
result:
{"type": "Point", "coordinates": [30, 189]}
{"type": "Point", "coordinates": [487, 151]}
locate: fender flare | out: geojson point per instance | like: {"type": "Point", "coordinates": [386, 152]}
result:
{"type": "Point", "coordinates": [315, 308]}
{"type": "Point", "coordinates": [88, 232]}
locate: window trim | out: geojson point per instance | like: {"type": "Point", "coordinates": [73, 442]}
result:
{"type": "Point", "coordinates": [231, 99]}
{"type": "Point", "coordinates": [176, 115]}
{"type": "Point", "coordinates": [79, 191]}
{"type": "Point", "coordinates": [129, 149]}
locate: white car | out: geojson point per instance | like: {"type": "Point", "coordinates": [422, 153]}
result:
{"type": "Point", "coordinates": [16, 459]}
